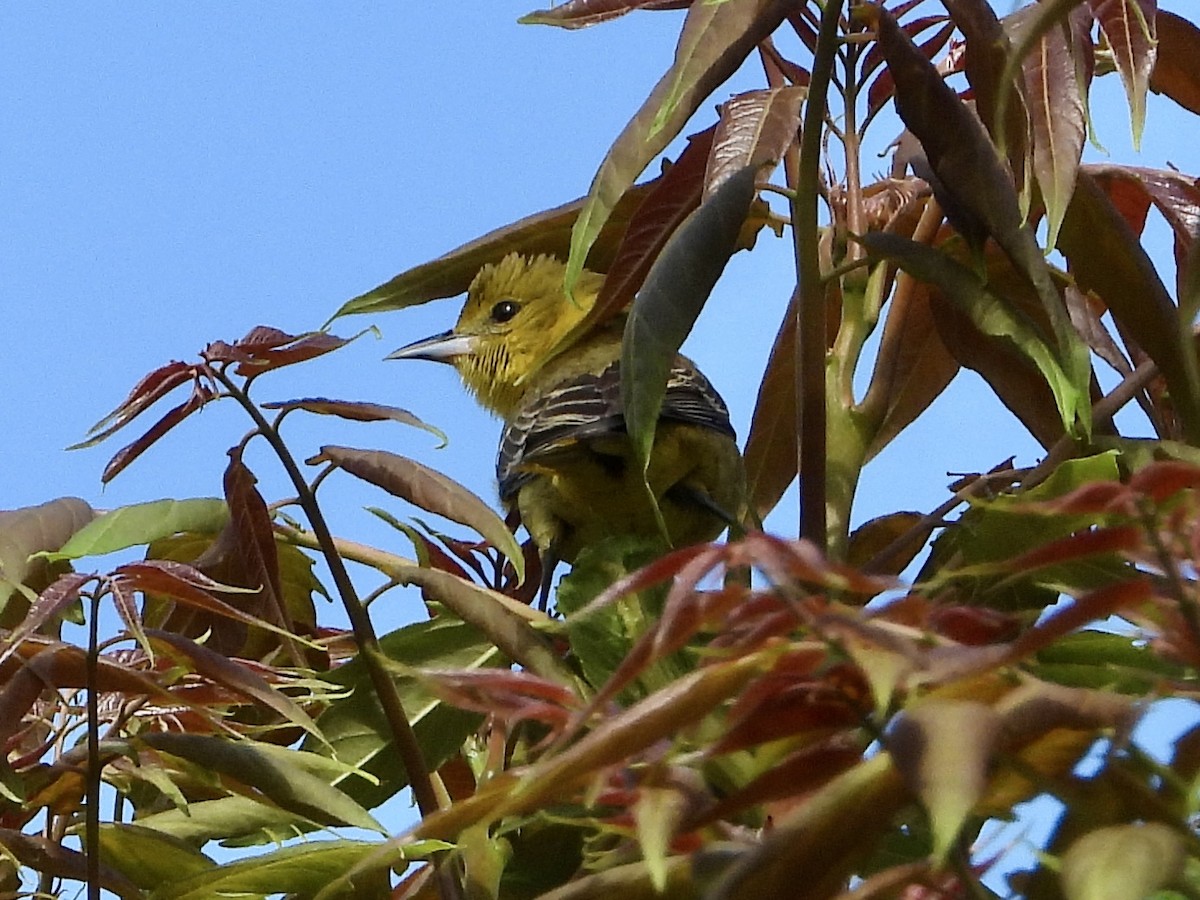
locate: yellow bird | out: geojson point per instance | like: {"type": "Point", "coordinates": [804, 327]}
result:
{"type": "Point", "coordinates": [566, 463]}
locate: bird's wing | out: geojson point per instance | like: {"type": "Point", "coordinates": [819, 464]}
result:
{"type": "Point", "coordinates": [589, 406]}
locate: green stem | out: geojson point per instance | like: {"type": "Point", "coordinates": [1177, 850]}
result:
{"type": "Point", "coordinates": [810, 311]}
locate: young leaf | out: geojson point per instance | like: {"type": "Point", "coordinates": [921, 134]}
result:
{"type": "Point", "coordinates": [771, 452]}
{"type": "Point", "coordinates": [357, 411]}
{"type": "Point", "coordinates": [1129, 26]}
{"type": "Point", "coordinates": [1173, 73]}
{"type": "Point", "coordinates": [582, 13]}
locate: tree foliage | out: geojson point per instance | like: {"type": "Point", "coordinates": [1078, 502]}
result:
{"type": "Point", "coordinates": [776, 716]}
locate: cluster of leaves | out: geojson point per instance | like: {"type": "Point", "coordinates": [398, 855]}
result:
{"type": "Point", "coordinates": [771, 717]}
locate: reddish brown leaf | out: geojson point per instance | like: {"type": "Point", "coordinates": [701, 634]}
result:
{"type": "Point", "coordinates": [52, 601]}
{"type": "Point", "coordinates": [509, 696]}
{"type": "Point", "coordinates": [1162, 480]}
{"type": "Point", "coordinates": [145, 394]}
{"type": "Point", "coordinates": [1057, 77]}
{"type": "Point", "coordinates": [671, 200]}
{"type": "Point", "coordinates": [184, 584]}
{"type": "Point", "coordinates": [1082, 544]}
{"type": "Point", "coordinates": [974, 626]}
{"type": "Point", "coordinates": [1099, 604]}
{"type": "Point", "coordinates": [754, 130]}
{"type": "Point", "coordinates": [1129, 27]}
{"type": "Point", "coordinates": [1174, 72]}
{"type": "Point", "coordinates": [582, 13]}
{"type": "Point", "coordinates": [34, 529]}
{"type": "Point", "coordinates": [265, 353]}
{"type": "Point", "coordinates": [873, 57]}
{"type": "Point", "coordinates": [883, 88]}
{"type": "Point", "coordinates": [771, 448]}
{"type": "Point", "coordinates": [1093, 498]}
{"type": "Point", "coordinates": [429, 489]}
{"type": "Point", "coordinates": [201, 394]}
{"type": "Point", "coordinates": [357, 411]}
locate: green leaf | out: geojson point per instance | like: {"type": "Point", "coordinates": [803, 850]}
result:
{"type": "Point", "coordinates": [943, 748]}
{"type": "Point", "coordinates": [235, 821]}
{"type": "Point", "coordinates": [350, 868]}
{"type": "Point", "coordinates": [356, 729]}
{"type": "Point", "coordinates": [1122, 862]}
{"type": "Point", "coordinates": [281, 775]}
{"type": "Point", "coordinates": [147, 857]}
{"type": "Point", "coordinates": [987, 312]}
{"type": "Point", "coordinates": [141, 523]}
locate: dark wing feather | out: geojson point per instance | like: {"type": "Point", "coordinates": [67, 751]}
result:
{"type": "Point", "coordinates": [589, 406]}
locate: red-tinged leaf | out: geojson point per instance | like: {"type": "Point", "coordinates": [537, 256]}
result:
{"type": "Point", "coordinates": [53, 600]}
{"type": "Point", "coordinates": [987, 52]}
{"type": "Point", "coordinates": [662, 569]}
{"type": "Point", "coordinates": [264, 338]}
{"type": "Point", "coordinates": [1129, 26]}
{"type": "Point", "coordinates": [1035, 708]}
{"type": "Point", "coordinates": [792, 778]}
{"type": "Point", "coordinates": [1106, 258]}
{"type": "Point", "coordinates": [253, 540]}
{"type": "Point", "coordinates": [582, 13]}
{"type": "Point", "coordinates": [1099, 604]}
{"type": "Point", "coordinates": [813, 851]}
{"type": "Point", "coordinates": [358, 411]}
{"type": "Point", "coordinates": [510, 696]}
{"type": "Point", "coordinates": [667, 204]}
{"type": "Point", "coordinates": [713, 43]}
{"type": "Point", "coordinates": [547, 232]}
{"type": "Point", "coordinates": [1124, 862]}
{"type": "Point", "coordinates": [974, 626]}
{"type": "Point", "coordinates": [774, 60]}
{"type": "Point", "coordinates": [1174, 73]}
{"type": "Point", "coordinates": [883, 88]}
{"type": "Point", "coordinates": [788, 562]}
{"type": "Point", "coordinates": [873, 57]}
{"type": "Point", "coordinates": [36, 529]}
{"type": "Point", "coordinates": [1092, 499]}
{"type": "Point", "coordinates": [126, 607]}
{"type": "Point", "coordinates": [430, 490]}
{"type": "Point", "coordinates": [1082, 544]}
{"type": "Point", "coordinates": [943, 748]}
{"type": "Point", "coordinates": [782, 706]}
{"type": "Point", "coordinates": [754, 130]}
{"type": "Point", "coordinates": [1057, 77]}
{"type": "Point", "coordinates": [771, 454]}
{"type": "Point", "coordinates": [913, 365]}
{"type": "Point", "coordinates": [265, 355]}
{"type": "Point", "coordinates": [754, 621]}
{"type": "Point", "coordinates": [56, 861]}
{"type": "Point", "coordinates": [186, 585]}
{"type": "Point", "coordinates": [201, 394]}
{"type": "Point", "coordinates": [1162, 480]}
{"type": "Point", "coordinates": [145, 394]}
{"type": "Point", "coordinates": [805, 30]}
{"type": "Point", "coordinates": [234, 675]}
{"type": "Point", "coordinates": [428, 553]}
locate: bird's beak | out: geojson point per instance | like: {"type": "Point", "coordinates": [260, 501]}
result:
{"type": "Point", "coordinates": [444, 347]}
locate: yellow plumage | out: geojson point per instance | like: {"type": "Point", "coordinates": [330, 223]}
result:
{"type": "Point", "coordinates": [566, 463]}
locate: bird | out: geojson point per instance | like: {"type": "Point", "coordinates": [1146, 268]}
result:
{"type": "Point", "coordinates": [566, 463]}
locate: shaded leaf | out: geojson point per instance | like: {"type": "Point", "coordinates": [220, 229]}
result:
{"type": "Point", "coordinates": [771, 453]}
{"type": "Point", "coordinates": [1123, 862]}
{"type": "Point", "coordinates": [676, 288]}
{"type": "Point", "coordinates": [429, 489]}
{"type": "Point", "coordinates": [1178, 47]}
{"type": "Point", "coordinates": [714, 41]}
{"type": "Point", "coordinates": [147, 857]}
{"type": "Point", "coordinates": [53, 859]}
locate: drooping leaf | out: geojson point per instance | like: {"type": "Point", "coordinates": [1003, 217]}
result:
{"type": "Point", "coordinates": [123, 458]}
{"type": "Point", "coordinates": [1057, 77]}
{"type": "Point", "coordinates": [714, 41]}
{"type": "Point", "coordinates": [943, 748]}
{"type": "Point", "coordinates": [142, 523]}
{"type": "Point", "coordinates": [430, 490]}
{"type": "Point", "coordinates": [676, 288]}
{"type": "Point", "coordinates": [1173, 73]}
{"type": "Point", "coordinates": [1129, 26]}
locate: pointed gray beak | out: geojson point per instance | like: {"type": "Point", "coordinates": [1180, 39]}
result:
{"type": "Point", "coordinates": [444, 347]}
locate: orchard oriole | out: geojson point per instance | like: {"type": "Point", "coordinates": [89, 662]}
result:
{"type": "Point", "coordinates": [566, 463]}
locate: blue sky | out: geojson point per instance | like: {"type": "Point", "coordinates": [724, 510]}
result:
{"type": "Point", "coordinates": [176, 174]}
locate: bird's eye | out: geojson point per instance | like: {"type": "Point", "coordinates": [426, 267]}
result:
{"type": "Point", "coordinates": [505, 310]}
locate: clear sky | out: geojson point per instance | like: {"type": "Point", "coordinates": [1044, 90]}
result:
{"type": "Point", "coordinates": [173, 174]}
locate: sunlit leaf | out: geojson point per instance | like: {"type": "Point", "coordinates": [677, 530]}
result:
{"type": "Point", "coordinates": [358, 411]}
{"type": "Point", "coordinates": [147, 857]}
{"type": "Point", "coordinates": [142, 523]}
{"type": "Point", "coordinates": [1129, 27]}
{"type": "Point", "coordinates": [582, 13]}
{"type": "Point", "coordinates": [36, 529]}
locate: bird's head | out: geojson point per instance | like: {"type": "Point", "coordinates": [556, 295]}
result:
{"type": "Point", "coordinates": [515, 319]}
